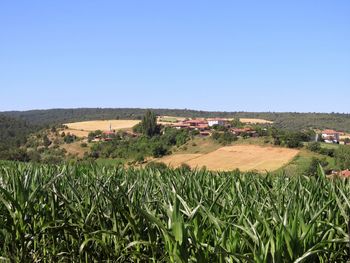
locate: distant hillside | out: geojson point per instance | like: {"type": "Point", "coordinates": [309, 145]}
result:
{"type": "Point", "coordinates": [13, 133]}
{"type": "Point", "coordinates": [293, 121]}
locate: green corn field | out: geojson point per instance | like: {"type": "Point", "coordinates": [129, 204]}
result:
{"type": "Point", "coordinates": [87, 213]}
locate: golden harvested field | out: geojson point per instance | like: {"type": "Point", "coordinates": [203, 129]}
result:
{"type": "Point", "coordinates": [255, 121]}
{"type": "Point", "coordinates": [102, 125]}
{"type": "Point", "coordinates": [171, 117]}
{"type": "Point", "coordinates": [170, 120]}
{"type": "Point", "coordinates": [75, 149]}
{"type": "Point", "coordinates": [243, 157]}
{"type": "Point", "coordinates": [176, 160]}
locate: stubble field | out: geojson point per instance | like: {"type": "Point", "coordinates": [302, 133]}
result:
{"type": "Point", "coordinates": [243, 157]}
{"type": "Point", "coordinates": [102, 125]}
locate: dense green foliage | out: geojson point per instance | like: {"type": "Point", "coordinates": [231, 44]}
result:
{"type": "Point", "coordinates": [291, 139]}
{"type": "Point", "coordinates": [342, 157]}
{"type": "Point", "coordinates": [314, 166]}
{"type": "Point", "coordinates": [288, 120]}
{"type": "Point", "coordinates": [149, 126]}
{"type": "Point", "coordinates": [224, 138]}
{"type": "Point", "coordinates": [317, 148]}
{"type": "Point", "coordinates": [69, 138]}
{"type": "Point", "coordinates": [126, 147]}
{"type": "Point", "coordinates": [13, 133]}
{"type": "Point", "coordinates": [314, 147]}
{"type": "Point", "coordinates": [236, 123]}
{"type": "Point", "coordinates": [88, 213]}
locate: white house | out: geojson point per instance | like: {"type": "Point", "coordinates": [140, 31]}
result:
{"type": "Point", "coordinates": [218, 122]}
{"type": "Point", "coordinates": [330, 136]}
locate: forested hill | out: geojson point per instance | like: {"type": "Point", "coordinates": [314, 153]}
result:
{"type": "Point", "coordinates": [13, 133]}
{"type": "Point", "coordinates": [295, 121]}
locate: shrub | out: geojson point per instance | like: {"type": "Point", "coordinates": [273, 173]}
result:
{"type": "Point", "coordinates": [185, 167]}
{"type": "Point", "coordinates": [314, 166]}
{"type": "Point", "coordinates": [314, 147]}
{"type": "Point", "coordinates": [158, 150]}
{"type": "Point", "coordinates": [156, 165]}
{"type": "Point", "coordinates": [224, 137]}
{"type": "Point", "coordinates": [342, 157]}
{"type": "Point", "coordinates": [139, 158]}
{"type": "Point", "coordinates": [69, 138]}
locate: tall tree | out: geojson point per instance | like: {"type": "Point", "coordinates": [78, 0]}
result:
{"type": "Point", "coordinates": [149, 124]}
{"type": "Point", "coordinates": [236, 123]}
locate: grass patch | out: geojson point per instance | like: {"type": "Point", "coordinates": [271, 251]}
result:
{"type": "Point", "coordinates": [302, 161]}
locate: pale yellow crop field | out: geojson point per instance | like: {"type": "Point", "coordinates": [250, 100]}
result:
{"type": "Point", "coordinates": [103, 125]}
{"type": "Point", "coordinates": [243, 157]}
{"type": "Point", "coordinates": [176, 160]}
{"type": "Point", "coordinates": [78, 133]}
{"type": "Point", "coordinates": [75, 149]}
{"type": "Point", "coordinates": [255, 121]}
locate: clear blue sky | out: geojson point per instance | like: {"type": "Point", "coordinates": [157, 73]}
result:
{"type": "Point", "coordinates": [209, 55]}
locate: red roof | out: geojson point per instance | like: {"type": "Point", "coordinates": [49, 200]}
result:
{"type": "Point", "coordinates": [345, 173]}
{"type": "Point", "coordinates": [131, 133]}
{"type": "Point", "coordinates": [181, 124]}
{"type": "Point", "coordinates": [329, 132]}
{"type": "Point", "coordinates": [108, 132]}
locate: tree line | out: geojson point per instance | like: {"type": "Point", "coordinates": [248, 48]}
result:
{"type": "Point", "coordinates": [286, 120]}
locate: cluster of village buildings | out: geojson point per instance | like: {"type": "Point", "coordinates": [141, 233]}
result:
{"type": "Point", "coordinates": [205, 126]}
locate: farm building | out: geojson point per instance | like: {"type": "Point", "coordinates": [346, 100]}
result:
{"type": "Point", "coordinates": [196, 122]}
{"type": "Point", "coordinates": [344, 173]}
{"type": "Point", "coordinates": [330, 136]}
{"type": "Point", "coordinates": [97, 138]}
{"type": "Point", "coordinates": [218, 122]}
{"type": "Point", "coordinates": [108, 135]}
{"type": "Point", "coordinates": [201, 127]}
{"type": "Point", "coordinates": [181, 125]}
{"type": "Point", "coordinates": [240, 131]}
{"type": "Point", "coordinates": [204, 133]}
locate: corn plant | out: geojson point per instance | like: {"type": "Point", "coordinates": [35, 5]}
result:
{"type": "Point", "coordinates": [82, 213]}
